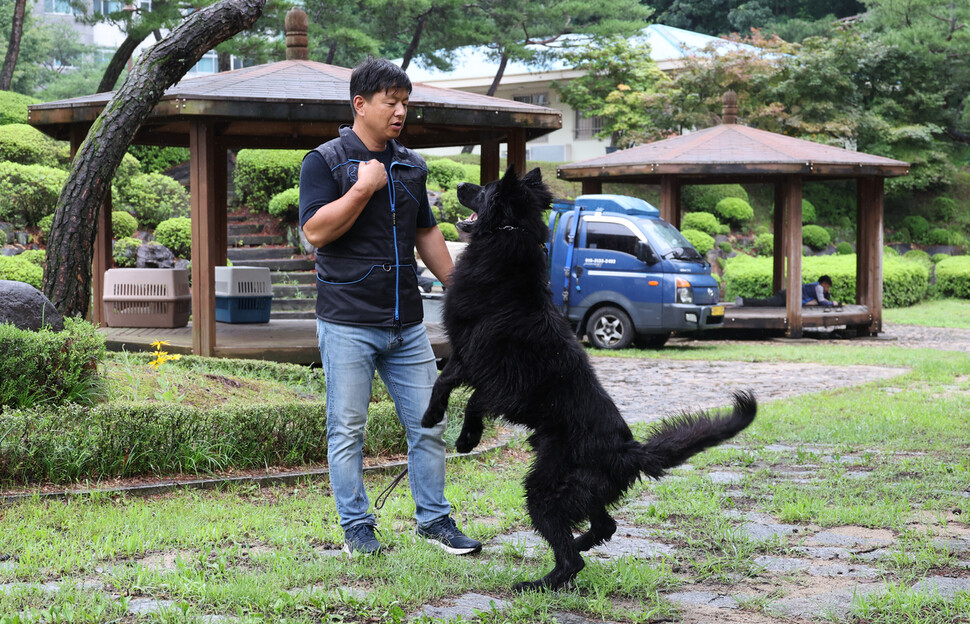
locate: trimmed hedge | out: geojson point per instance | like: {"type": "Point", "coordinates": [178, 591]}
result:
{"type": "Point", "coordinates": [27, 145]}
{"type": "Point", "coordinates": [764, 244]}
{"type": "Point", "coordinates": [943, 236]}
{"type": "Point", "coordinates": [13, 107]}
{"type": "Point", "coordinates": [816, 237]}
{"type": "Point", "coordinates": [904, 283]}
{"type": "Point", "coordinates": [155, 159]}
{"type": "Point", "coordinates": [449, 231]}
{"type": "Point", "coordinates": [122, 224]}
{"type": "Point", "coordinates": [445, 173]}
{"type": "Point", "coordinates": [704, 197]}
{"type": "Point", "coordinates": [917, 226]}
{"type": "Point", "coordinates": [286, 205]}
{"type": "Point", "coordinates": [734, 210]}
{"type": "Point", "coordinates": [700, 221]}
{"type": "Point", "coordinates": [262, 173]}
{"type": "Point", "coordinates": [953, 277]}
{"type": "Point", "coordinates": [28, 193]}
{"type": "Point", "coordinates": [152, 198]}
{"type": "Point", "coordinates": [917, 255]}
{"type": "Point", "coordinates": [49, 368]}
{"type": "Point", "coordinates": [19, 269]}
{"type": "Point", "coordinates": [176, 234]}
{"type": "Point", "coordinates": [702, 242]}
{"type": "Point", "coordinates": [844, 248]}
{"type": "Point", "coordinates": [808, 211]}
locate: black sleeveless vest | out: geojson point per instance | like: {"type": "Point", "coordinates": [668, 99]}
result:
{"type": "Point", "coordinates": [368, 276]}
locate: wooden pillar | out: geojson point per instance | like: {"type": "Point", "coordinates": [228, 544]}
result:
{"type": "Point", "coordinates": [778, 230]}
{"type": "Point", "coordinates": [221, 208]}
{"type": "Point", "coordinates": [203, 176]}
{"type": "Point", "coordinates": [869, 244]}
{"type": "Point", "coordinates": [101, 257]}
{"type": "Point", "coordinates": [793, 246]}
{"type": "Point", "coordinates": [592, 186]}
{"type": "Point", "coordinates": [489, 161]}
{"type": "Point", "coordinates": [670, 200]}
{"type": "Point", "coordinates": [516, 145]}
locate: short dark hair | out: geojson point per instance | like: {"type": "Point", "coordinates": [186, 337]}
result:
{"type": "Point", "coordinates": [377, 74]}
{"type": "Point", "coordinates": [825, 279]}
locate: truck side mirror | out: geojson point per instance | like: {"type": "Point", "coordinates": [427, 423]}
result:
{"type": "Point", "coordinates": [645, 253]}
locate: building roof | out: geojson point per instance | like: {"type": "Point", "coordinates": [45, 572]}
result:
{"type": "Point", "coordinates": [732, 150]}
{"type": "Point", "coordinates": [298, 94]}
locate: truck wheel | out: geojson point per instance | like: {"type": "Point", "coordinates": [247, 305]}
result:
{"type": "Point", "coordinates": [610, 328]}
{"type": "Point", "coordinates": [653, 341]}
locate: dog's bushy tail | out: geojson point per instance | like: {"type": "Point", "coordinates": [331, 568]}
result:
{"type": "Point", "coordinates": [679, 438]}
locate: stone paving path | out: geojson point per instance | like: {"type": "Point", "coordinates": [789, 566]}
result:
{"type": "Point", "coordinates": [806, 574]}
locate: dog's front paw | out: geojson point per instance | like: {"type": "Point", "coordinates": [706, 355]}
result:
{"type": "Point", "coordinates": [467, 441]}
{"type": "Point", "coordinates": [431, 418]}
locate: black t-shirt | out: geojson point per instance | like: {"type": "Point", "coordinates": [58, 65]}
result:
{"type": "Point", "coordinates": [318, 188]}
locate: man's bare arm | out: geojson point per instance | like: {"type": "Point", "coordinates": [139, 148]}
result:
{"type": "Point", "coordinates": [434, 253]}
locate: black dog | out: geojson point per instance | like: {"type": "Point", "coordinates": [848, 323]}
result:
{"type": "Point", "coordinates": [523, 361]}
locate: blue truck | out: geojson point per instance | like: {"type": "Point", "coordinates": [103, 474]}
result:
{"type": "Point", "coordinates": [623, 275]}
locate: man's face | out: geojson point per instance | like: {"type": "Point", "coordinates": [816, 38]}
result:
{"type": "Point", "coordinates": [825, 287]}
{"type": "Point", "coordinates": [383, 113]}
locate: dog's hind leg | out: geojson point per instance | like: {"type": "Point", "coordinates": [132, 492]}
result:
{"type": "Point", "coordinates": [601, 529]}
{"type": "Point", "coordinates": [472, 427]}
{"type": "Point", "coordinates": [553, 512]}
{"type": "Point", "coordinates": [450, 378]}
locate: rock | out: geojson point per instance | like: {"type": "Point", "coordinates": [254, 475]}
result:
{"type": "Point", "coordinates": [950, 250]}
{"type": "Point", "coordinates": [27, 308]}
{"type": "Point", "coordinates": [155, 256]}
{"type": "Point", "coordinates": [22, 238]}
{"type": "Point", "coordinates": [900, 247]}
{"type": "Point", "coordinates": [182, 263]}
{"type": "Point", "coordinates": [11, 250]}
{"type": "Point", "coordinates": [6, 232]}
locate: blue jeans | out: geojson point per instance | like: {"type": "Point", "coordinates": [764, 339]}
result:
{"type": "Point", "coordinates": [406, 364]}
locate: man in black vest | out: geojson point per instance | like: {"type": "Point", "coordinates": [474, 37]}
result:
{"type": "Point", "coordinates": [364, 205]}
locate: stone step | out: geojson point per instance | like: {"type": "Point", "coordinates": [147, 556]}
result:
{"type": "Point", "coordinates": [279, 264]}
{"type": "Point", "coordinates": [262, 253]}
{"type": "Point", "coordinates": [294, 304]}
{"type": "Point", "coordinates": [305, 277]}
{"type": "Point", "coordinates": [292, 314]}
{"type": "Point", "coordinates": [295, 291]}
{"type": "Point", "coordinates": [236, 218]}
{"type": "Point", "coordinates": [237, 229]}
{"type": "Point", "coordinates": [241, 240]}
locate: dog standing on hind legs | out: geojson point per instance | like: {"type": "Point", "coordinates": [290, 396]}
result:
{"type": "Point", "coordinates": [523, 362]}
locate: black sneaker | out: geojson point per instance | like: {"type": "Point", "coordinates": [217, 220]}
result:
{"type": "Point", "coordinates": [359, 539]}
{"type": "Point", "coordinates": [444, 533]}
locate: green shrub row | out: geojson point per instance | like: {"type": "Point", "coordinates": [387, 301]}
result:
{"type": "Point", "coordinates": [704, 197]}
{"type": "Point", "coordinates": [444, 174]}
{"type": "Point", "coordinates": [702, 222]}
{"type": "Point", "coordinates": [49, 368]}
{"type": "Point", "coordinates": [28, 193]}
{"type": "Point", "coordinates": [904, 282]}
{"type": "Point", "coordinates": [13, 107]}
{"type": "Point", "coordinates": [27, 145]}
{"type": "Point", "coordinates": [262, 173]}
{"type": "Point", "coordinates": [701, 241]}
{"type": "Point", "coordinates": [18, 269]}
{"type": "Point", "coordinates": [953, 277]}
{"type": "Point", "coordinates": [152, 198]}
{"type": "Point", "coordinates": [449, 231]}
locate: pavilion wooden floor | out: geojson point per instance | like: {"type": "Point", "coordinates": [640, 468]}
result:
{"type": "Point", "coordinates": [295, 341]}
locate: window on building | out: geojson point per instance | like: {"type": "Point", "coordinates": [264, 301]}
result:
{"type": "Point", "coordinates": [239, 62]}
{"type": "Point", "coordinates": [587, 127]}
{"type": "Point", "coordinates": [613, 236]}
{"type": "Point", "coordinates": [58, 7]}
{"type": "Point", "coordinates": [104, 7]}
{"type": "Point", "coordinates": [539, 99]}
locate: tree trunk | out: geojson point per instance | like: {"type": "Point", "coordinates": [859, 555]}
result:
{"type": "Point", "coordinates": [67, 274]}
{"type": "Point", "coordinates": [225, 62]}
{"type": "Point", "coordinates": [415, 40]}
{"type": "Point", "coordinates": [13, 47]}
{"type": "Point", "coordinates": [120, 59]}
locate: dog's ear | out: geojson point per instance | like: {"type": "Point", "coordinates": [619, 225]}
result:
{"type": "Point", "coordinates": [533, 178]}
{"type": "Point", "coordinates": [510, 180]}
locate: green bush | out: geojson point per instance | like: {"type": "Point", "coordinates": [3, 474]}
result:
{"type": "Point", "coordinates": [937, 258]}
{"type": "Point", "coordinates": [34, 256]}
{"type": "Point", "coordinates": [48, 368]}
{"type": "Point", "coordinates": [124, 252]}
{"type": "Point", "coordinates": [261, 173]}
{"type": "Point", "coordinates": [816, 237]}
{"type": "Point", "coordinates": [700, 221]}
{"type": "Point", "coordinates": [444, 173]}
{"type": "Point", "coordinates": [13, 107]}
{"type": "Point", "coordinates": [808, 212]}
{"type": "Point", "coordinates": [702, 242]}
{"type": "Point", "coordinates": [901, 235]}
{"type": "Point", "coordinates": [764, 244]}
{"type": "Point", "coordinates": [725, 247]}
{"type": "Point", "coordinates": [45, 226]}
{"type": "Point", "coordinates": [286, 205]}
{"type": "Point", "coordinates": [152, 198]}
{"type": "Point", "coordinates": [904, 283]}
{"type": "Point", "coordinates": [27, 145]}
{"type": "Point", "coordinates": [128, 168]}
{"type": "Point", "coordinates": [734, 210]}
{"type": "Point", "coordinates": [953, 277]}
{"type": "Point", "coordinates": [844, 248]}
{"type": "Point", "coordinates": [943, 236]}
{"type": "Point", "coordinates": [122, 224]}
{"type": "Point", "coordinates": [889, 252]}
{"type": "Point", "coordinates": [917, 255]}
{"type": "Point", "coordinates": [156, 159]}
{"type": "Point", "coordinates": [20, 269]}
{"type": "Point", "coordinates": [451, 208]}
{"type": "Point", "coordinates": [704, 197]}
{"type": "Point", "coordinates": [28, 193]}
{"type": "Point", "coordinates": [917, 226]}
{"type": "Point", "coordinates": [449, 231]}
{"type": "Point", "coordinates": [176, 234]}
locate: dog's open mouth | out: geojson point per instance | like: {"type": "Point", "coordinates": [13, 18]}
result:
{"type": "Point", "coordinates": [466, 225]}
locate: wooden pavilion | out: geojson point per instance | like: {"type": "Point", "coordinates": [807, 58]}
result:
{"type": "Point", "coordinates": [291, 104]}
{"type": "Point", "coordinates": [732, 153]}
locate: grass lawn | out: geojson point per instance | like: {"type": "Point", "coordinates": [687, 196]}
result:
{"type": "Point", "coordinates": [953, 313]}
{"type": "Point", "coordinates": [889, 459]}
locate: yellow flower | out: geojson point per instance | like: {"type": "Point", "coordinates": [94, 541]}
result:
{"type": "Point", "coordinates": [158, 344]}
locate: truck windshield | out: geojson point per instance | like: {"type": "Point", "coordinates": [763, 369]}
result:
{"type": "Point", "coordinates": [670, 242]}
